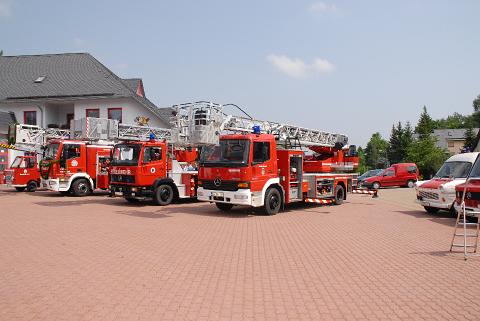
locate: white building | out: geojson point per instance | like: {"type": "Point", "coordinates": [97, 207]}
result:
{"type": "Point", "coordinates": [50, 90]}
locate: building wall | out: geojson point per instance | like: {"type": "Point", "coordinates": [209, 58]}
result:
{"type": "Point", "coordinates": [18, 109]}
{"type": "Point", "coordinates": [130, 110]}
{"type": "Point", "coordinates": [455, 146]}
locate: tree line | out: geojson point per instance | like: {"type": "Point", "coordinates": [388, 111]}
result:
{"type": "Point", "coordinates": [418, 145]}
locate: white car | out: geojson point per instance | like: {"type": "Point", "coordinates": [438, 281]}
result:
{"type": "Point", "coordinates": [439, 192]}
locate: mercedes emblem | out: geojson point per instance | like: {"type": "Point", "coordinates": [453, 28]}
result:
{"type": "Point", "coordinates": [217, 182]}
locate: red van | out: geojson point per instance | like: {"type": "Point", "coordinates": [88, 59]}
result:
{"type": "Point", "coordinates": [402, 174]}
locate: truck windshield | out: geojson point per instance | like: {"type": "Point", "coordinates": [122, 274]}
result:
{"type": "Point", "coordinates": [16, 162]}
{"type": "Point", "coordinates": [50, 152]}
{"type": "Point", "coordinates": [454, 170]}
{"type": "Point", "coordinates": [230, 153]}
{"type": "Point", "coordinates": [126, 155]}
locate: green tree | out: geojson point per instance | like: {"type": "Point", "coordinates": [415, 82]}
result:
{"type": "Point", "coordinates": [425, 124]}
{"type": "Point", "coordinates": [426, 155]}
{"type": "Point", "coordinates": [376, 152]}
{"type": "Point", "coordinates": [394, 144]}
{"type": "Point", "coordinates": [455, 120]}
{"type": "Point", "coordinates": [476, 103]}
{"type": "Point", "coordinates": [470, 139]}
{"type": "Point", "coordinates": [362, 166]}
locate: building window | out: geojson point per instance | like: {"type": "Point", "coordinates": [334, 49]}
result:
{"type": "Point", "coordinates": [30, 117]}
{"type": "Point", "coordinates": [115, 113]}
{"type": "Point", "coordinates": [93, 113]}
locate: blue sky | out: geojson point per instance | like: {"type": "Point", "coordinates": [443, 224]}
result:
{"type": "Point", "coordinates": [345, 66]}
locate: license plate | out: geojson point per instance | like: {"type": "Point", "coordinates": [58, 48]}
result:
{"type": "Point", "coordinates": [217, 194]}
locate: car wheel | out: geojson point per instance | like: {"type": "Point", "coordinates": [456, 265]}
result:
{"type": "Point", "coordinates": [453, 211]}
{"type": "Point", "coordinates": [339, 195]}
{"type": "Point", "coordinates": [431, 210]}
{"type": "Point", "coordinates": [273, 201]}
{"type": "Point", "coordinates": [163, 195]}
{"type": "Point", "coordinates": [376, 185]}
{"type": "Point", "coordinates": [410, 184]}
{"type": "Point", "coordinates": [224, 207]}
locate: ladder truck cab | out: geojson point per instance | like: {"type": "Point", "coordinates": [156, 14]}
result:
{"type": "Point", "coordinates": [24, 173]}
{"type": "Point", "coordinates": [75, 167]}
{"type": "Point", "coordinates": [153, 169]}
{"type": "Point", "coordinates": [264, 163]}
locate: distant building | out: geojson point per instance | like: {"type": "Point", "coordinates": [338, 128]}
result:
{"type": "Point", "coordinates": [50, 90]}
{"type": "Point", "coordinates": [451, 139]}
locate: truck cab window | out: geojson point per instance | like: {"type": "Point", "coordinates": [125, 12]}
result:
{"type": "Point", "coordinates": [152, 154]}
{"type": "Point", "coordinates": [390, 173]}
{"type": "Point", "coordinates": [69, 151]}
{"type": "Point", "coordinates": [261, 152]}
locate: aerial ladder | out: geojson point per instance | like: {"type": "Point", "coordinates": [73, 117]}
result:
{"type": "Point", "coordinates": [281, 173]}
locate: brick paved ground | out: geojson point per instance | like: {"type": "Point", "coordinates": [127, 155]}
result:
{"type": "Point", "coordinates": [98, 258]}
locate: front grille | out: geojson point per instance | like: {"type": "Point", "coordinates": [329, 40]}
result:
{"type": "Point", "coordinates": [8, 179]}
{"type": "Point", "coordinates": [128, 179]}
{"type": "Point", "coordinates": [475, 196]}
{"type": "Point", "coordinates": [230, 186]}
{"type": "Point", "coordinates": [428, 195]}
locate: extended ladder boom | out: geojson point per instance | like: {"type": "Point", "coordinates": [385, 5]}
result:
{"type": "Point", "coordinates": [205, 121]}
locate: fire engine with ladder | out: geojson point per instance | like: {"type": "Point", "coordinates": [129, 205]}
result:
{"type": "Point", "coordinates": [24, 171]}
{"type": "Point", "coordinates": [265, 164]}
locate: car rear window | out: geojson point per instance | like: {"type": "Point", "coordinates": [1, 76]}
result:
{"type": "Point", "coordinates": [412, 169]}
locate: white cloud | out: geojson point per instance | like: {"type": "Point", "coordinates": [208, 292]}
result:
{"type": "Point", "coordinates": [293, 67]}
{"type": "Point", "coordinates": [322, 7]}
{"type": "Point", "coordinates": [5, 8]}
{"type": "Point", "coordinates": [322, 65]}
{"type": "Point", "coordinates": [297, 68]}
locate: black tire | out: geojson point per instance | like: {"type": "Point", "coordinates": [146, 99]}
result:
{"type": "Point", "coordinates": [431, 210]}
{"type": "Point", "coordinates": [453, 211]}
{"type": "Point", "coordinates": [273, 201]}
{"type": "Point", "coordinates": [471, 219]}
{"type": "Point", "coordinates": [20, 189]}
{"type": "Point", "coordinates": [224, 207]}
{"type": "Point", "coordinates": [163, 195]}
{"type": "Point", "coordinates": [81, 187]}
{"type": "Point", "coordinates": [410, 184]}
{"type": "Point", "coordinates": [132, 200]}
{"type": "Point", "coordinates": [339, 195]}
{"type": "Point", "coordinates": [32, 186]}
{"type": "Point", "coordinates": [376, 185]}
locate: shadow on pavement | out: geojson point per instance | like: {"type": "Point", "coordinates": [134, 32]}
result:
{"type": "Point", "coordinates": [441, 217]}
{"type": "Point", "coordinates": [453, 255]}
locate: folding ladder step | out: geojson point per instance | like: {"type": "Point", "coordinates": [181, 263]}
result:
{"type": "Point", "coordinates": [462, 245]}
{"type": "Point", "coordinates": [468, 235]}
{"type": "Point", "coordinates": [468, 224]}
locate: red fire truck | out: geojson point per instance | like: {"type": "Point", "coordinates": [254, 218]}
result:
{"type": "Point", "coordinates": [153, 169]}
{"type": "Point", "coordinates": [23, 173]}
{"type": "Point", "coordinates": [267, 164]}
{"type": "Point", "coordinates": [75, 167]}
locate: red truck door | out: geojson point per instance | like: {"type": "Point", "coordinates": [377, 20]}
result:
{"type": "Point", "coordinates": [153, 163]}
{"type": "Point", "coordinates": [263, 164]}
{"type": "Point", "coordinates": [73, 158]}
{"type": "Point", "coordinates": [389, 178]}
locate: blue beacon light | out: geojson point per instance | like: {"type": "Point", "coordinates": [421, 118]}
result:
{"type": "Point", "coordinates": [256, 129]}
{"type": "Point", "coordinates": [152, 136]}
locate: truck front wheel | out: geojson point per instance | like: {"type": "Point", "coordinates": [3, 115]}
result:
{"type": "Point", "coordinates": [273, 201]}
{"type": "Point", "coordinates": [163, 195]}
{"type": "Point", "coordinates": [81, 187]}
{"type": "Point", "coordinates": [32, 186]}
